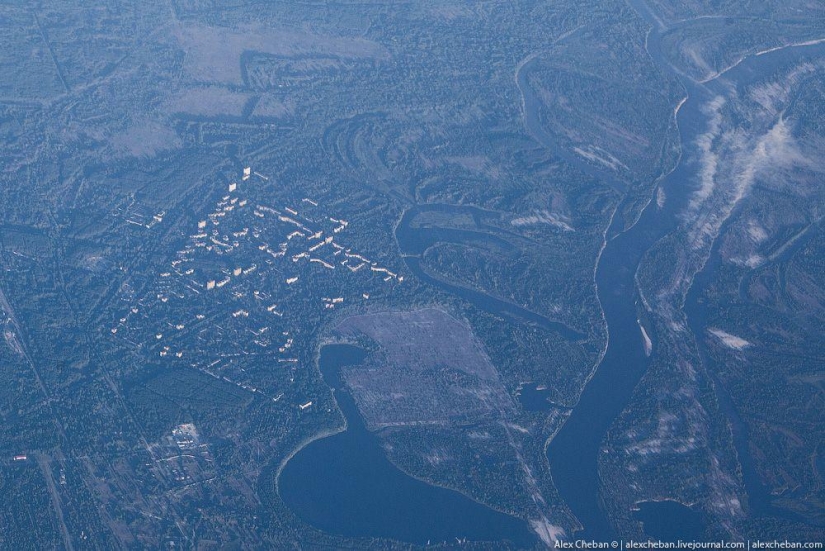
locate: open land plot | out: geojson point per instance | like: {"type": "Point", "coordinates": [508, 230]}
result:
{"type": "Point", "coordinates": [429, 369]}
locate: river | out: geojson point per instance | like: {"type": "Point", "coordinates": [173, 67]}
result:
{"type": "Point", "coordinates": [573, 453]}
{"type": "Point", "coordinates": [332, 483]}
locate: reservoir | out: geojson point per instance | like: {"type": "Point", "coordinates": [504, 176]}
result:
{"type": "Point", "coordinates": [345, 485]}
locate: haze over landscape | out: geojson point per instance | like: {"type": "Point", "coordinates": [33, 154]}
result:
{"type": "Point", "coordinates": [448, 274]}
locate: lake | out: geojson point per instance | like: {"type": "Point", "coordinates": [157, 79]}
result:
{"type": "Point", "coordinates": [344, 484]}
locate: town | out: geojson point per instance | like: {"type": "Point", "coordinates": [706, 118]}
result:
{"type": "Point", "coordinates": [226, 303]}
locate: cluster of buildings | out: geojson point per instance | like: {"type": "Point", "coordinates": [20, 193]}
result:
{"type": "Point", "coordinates": [225, 302]}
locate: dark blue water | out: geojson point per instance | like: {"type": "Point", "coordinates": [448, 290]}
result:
{"type": "Point", "coordinates": [344, 484]}
{"type": "Point", "coordinates": [760, 500]}
{"type": "Point", "coordinates": [533, 398]}
{"type": "Point", "coordinates": [670, 521]}
{"type": "Point", "coordinates": [414, 241]}
{"type": "Point", "coordinates": [573, 453]}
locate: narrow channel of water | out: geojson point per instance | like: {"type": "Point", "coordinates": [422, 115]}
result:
{"type": "Point", "coordinates": [413, 242]}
